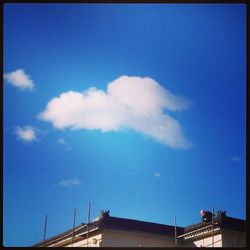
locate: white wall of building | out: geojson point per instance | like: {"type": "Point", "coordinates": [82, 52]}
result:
{"type": "Point", "coordinates": [93, 241]}
{"type": "Point", "coordinates": [134, 239]}
{"type": "Point", "coordinates": [208, 241]}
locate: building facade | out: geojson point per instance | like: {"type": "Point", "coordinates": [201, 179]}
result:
{"type": "Point", "coordinates": [108, 231]}
{"type": "Point", "coordinates": [224, 232]}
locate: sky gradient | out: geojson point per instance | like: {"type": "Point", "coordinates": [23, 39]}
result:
{"type": "Point", "coordinates": [138, 108]}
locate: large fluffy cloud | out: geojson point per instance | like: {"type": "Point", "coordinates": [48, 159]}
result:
{"type": "Point", "coordinates": [130, 102]}
{"type": "Point", "coordinates": [19, 79]}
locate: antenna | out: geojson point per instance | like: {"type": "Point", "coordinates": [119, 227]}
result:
{"type": "Point", "coordinates": [88, 224]}
{"type": "Point", "coordinates": [213, 226]}
{"type": "Point", "coordinates": [73, 229]}
{"type": "Point", "coordinates": [175, 232]}
{"type": "Point", "coordinates": [45, 228]}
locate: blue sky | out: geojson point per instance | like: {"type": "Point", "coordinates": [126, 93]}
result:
{"type": "Point", "coordinates": [138, 108]}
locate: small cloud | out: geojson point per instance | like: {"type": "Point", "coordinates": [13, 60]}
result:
{"type": "Point", "coordinates": [70, 182]}
{"type": "Point", "coordinates": [27, 133]}
{"type": "Point", "coordinates": [157, 174]}
{"type": "Point", "coordinates": [19, 79]}
{"type": "Point", "coordinates": [61, 141]}
{"type": "Point", "coordinates": [236, 158]}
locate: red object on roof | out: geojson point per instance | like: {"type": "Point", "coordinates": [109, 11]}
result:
{"type": "Point", "coordinates": [202, 212]}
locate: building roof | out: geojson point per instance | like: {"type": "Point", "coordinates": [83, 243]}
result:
{"type": "Point", "coordinates": [233, 224]}
{"type": "Point", "coordinates": [109, 222]}
{"type": "Point", "coordinates": [225, 222]}
{"type": "Point", "coordinates": [63, 235]}
{"type": "Point", "coordinates": [104, 221]}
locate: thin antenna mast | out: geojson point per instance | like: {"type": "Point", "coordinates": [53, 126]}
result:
{"type": "Point", "coordinates": [73, 229]}
{"type": "Point", "coordinates": [213, 226]}
{"type": "Point", "coordinates": [45, 229]}
{"type": "Point", "coordinates": [175, 232]}
{"type": "Point", "coordinates": [235, 239]}
{"type": "Point", "coordinates": [88, 224]}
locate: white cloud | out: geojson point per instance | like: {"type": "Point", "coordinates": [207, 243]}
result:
{"type": "Point", "coordinates": [27, 133]}
{"type": "Point", "coordinates": [61, 141]}
{"type": "Point", "coordinates": [236, 158]}
{"type": "Point", "coordinates": [19, 79]}
{"type": "Point", "coordinates": [130, 102]}
{"type": "Point", "coordinates": [157, 174]}
{"type": "Point", "coordinates": [70, 182]}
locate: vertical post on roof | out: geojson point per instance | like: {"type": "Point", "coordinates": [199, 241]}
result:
{"type": "Point", "coordinates": [73, 229]}
{"type": "Point", "coordinates": [213, 226]}
{"type": "Point", "coordinates": [45, 228]}
{"type": "Point", "coordinates": [235, 239]}
{"type": "Point", "coordinates": [88, 224]}
{"type": "Point", "coordinates": [175, 232]}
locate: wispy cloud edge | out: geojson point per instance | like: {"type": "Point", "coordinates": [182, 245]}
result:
{"type": "Point", "coordinates": [70, 182]}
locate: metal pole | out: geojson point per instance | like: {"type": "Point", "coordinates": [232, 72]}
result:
{"type": "Point", "coordinates": [88, 224]}
{"type": "Point", "coordinates": [213, 226]}
{"type": "Point", "coordinates": [235, 239]}
{"type": "Point", "coordinates": [73, 229]}
{"type": "Point", "coordinates": [45, 228]}
{"type": "Point", "coordinates": [175, 232]}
